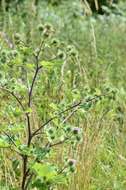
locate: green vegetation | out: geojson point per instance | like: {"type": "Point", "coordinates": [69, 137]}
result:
{"type": "Point", "coordinates": [62, 96]}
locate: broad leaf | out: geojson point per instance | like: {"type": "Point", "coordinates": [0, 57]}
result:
{"type": "Point", "coordinates": [45, 170]}
{"type": "Point", "coordinates": [3, 143]}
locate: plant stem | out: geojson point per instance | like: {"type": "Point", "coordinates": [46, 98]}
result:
{"type": "Point", "coordinates": [25, 171]}
{"type": "Point", "coordinates": [77, 105]}
{"type": "Point", "coordinates": [57, 115]}
{"type": "Point", "coordinates": [25, 159]}
{"type": "Point", "coordinates": [32, 85]}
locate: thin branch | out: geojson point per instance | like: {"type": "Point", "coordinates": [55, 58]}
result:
{"type": "Point", "coordinates": [32, 85]}
{"type": "Point", "coordinates": [29, 130]}
{"type": "Point", "coordinates": [70, 115]}
{"type": "Point", "coordinates": [39, 51]}
{"type": "Point", "coordinates": [59, 143]}
{"type": "Point", "coordinates": [65, 119]}
{"type": "Point", "coordinates": [23, 108]}
{"type": "Point", "coordinates": [12, 94]}
{"type": "Point", "coordinates": [31, 90]}
{"type": "Point", "coordinates": [10, 139]}
{"type": "Point", "coordinates": [64, 111]}
{"type": "Point", "coordinates": [12, 143]}
{"type": "Point", "coordinates": [36, 71]}
{"type": "Point", "coordinates": [57, 115]}
{"type": "Point", "coordinates": [62, 170]}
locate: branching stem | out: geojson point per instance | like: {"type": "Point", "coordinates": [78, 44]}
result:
{"type": "Point", "coordinates": [77, 105]}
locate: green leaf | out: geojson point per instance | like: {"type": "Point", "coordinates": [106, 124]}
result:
{"type": "Point", "coordinates": [28, 110]}
{"type": "Point", "coordinates": [17, 60]}
{"type": "Point", "coordinates": [45, 170]}
{"type": "Point", "coordinates": [47, 64]}
{"type": "Point", "coordinates": [39, 185]}
{"type": "Point", "coordinates": [60, 179]}
{"type": "Point", "coordinates": [16, 128]}
{"type": "Point", "coordinates": [40, 153]}
{"type": "Point", "coordinates": [3, 143]}
{"type": "Point", "coordinates": [50, 65]}
{"type": "Point", "coordinates": [53, 106]}
{"type": "Point", "coordinates": [25, 150]}
{"type": "Point", "coordinates": [86, 106]}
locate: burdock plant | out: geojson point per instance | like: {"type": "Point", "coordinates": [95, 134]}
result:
{"type": "Point", "coordinates": [29, 129]}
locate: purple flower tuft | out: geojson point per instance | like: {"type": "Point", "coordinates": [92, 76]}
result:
{"type": "Point", "coordinates": [76, 130]}
{"type": "Point", "coordinates": [72, 162]}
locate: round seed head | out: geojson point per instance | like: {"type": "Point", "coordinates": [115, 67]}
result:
{"type": "Point", "coordinates": [55, 42]}
{"type": "Point", "coordinates": [40, 27]}
{"type": "Point", "coordinates": [17, 36]}
{"type": "Point", "coordinates": [61, 54]}
{"type": "Point", "coordinates": [48, 26]}
{"type": "Point", "coordinates": [72, 162]}
{"type": "Point", "coordinates": [76, 130]}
